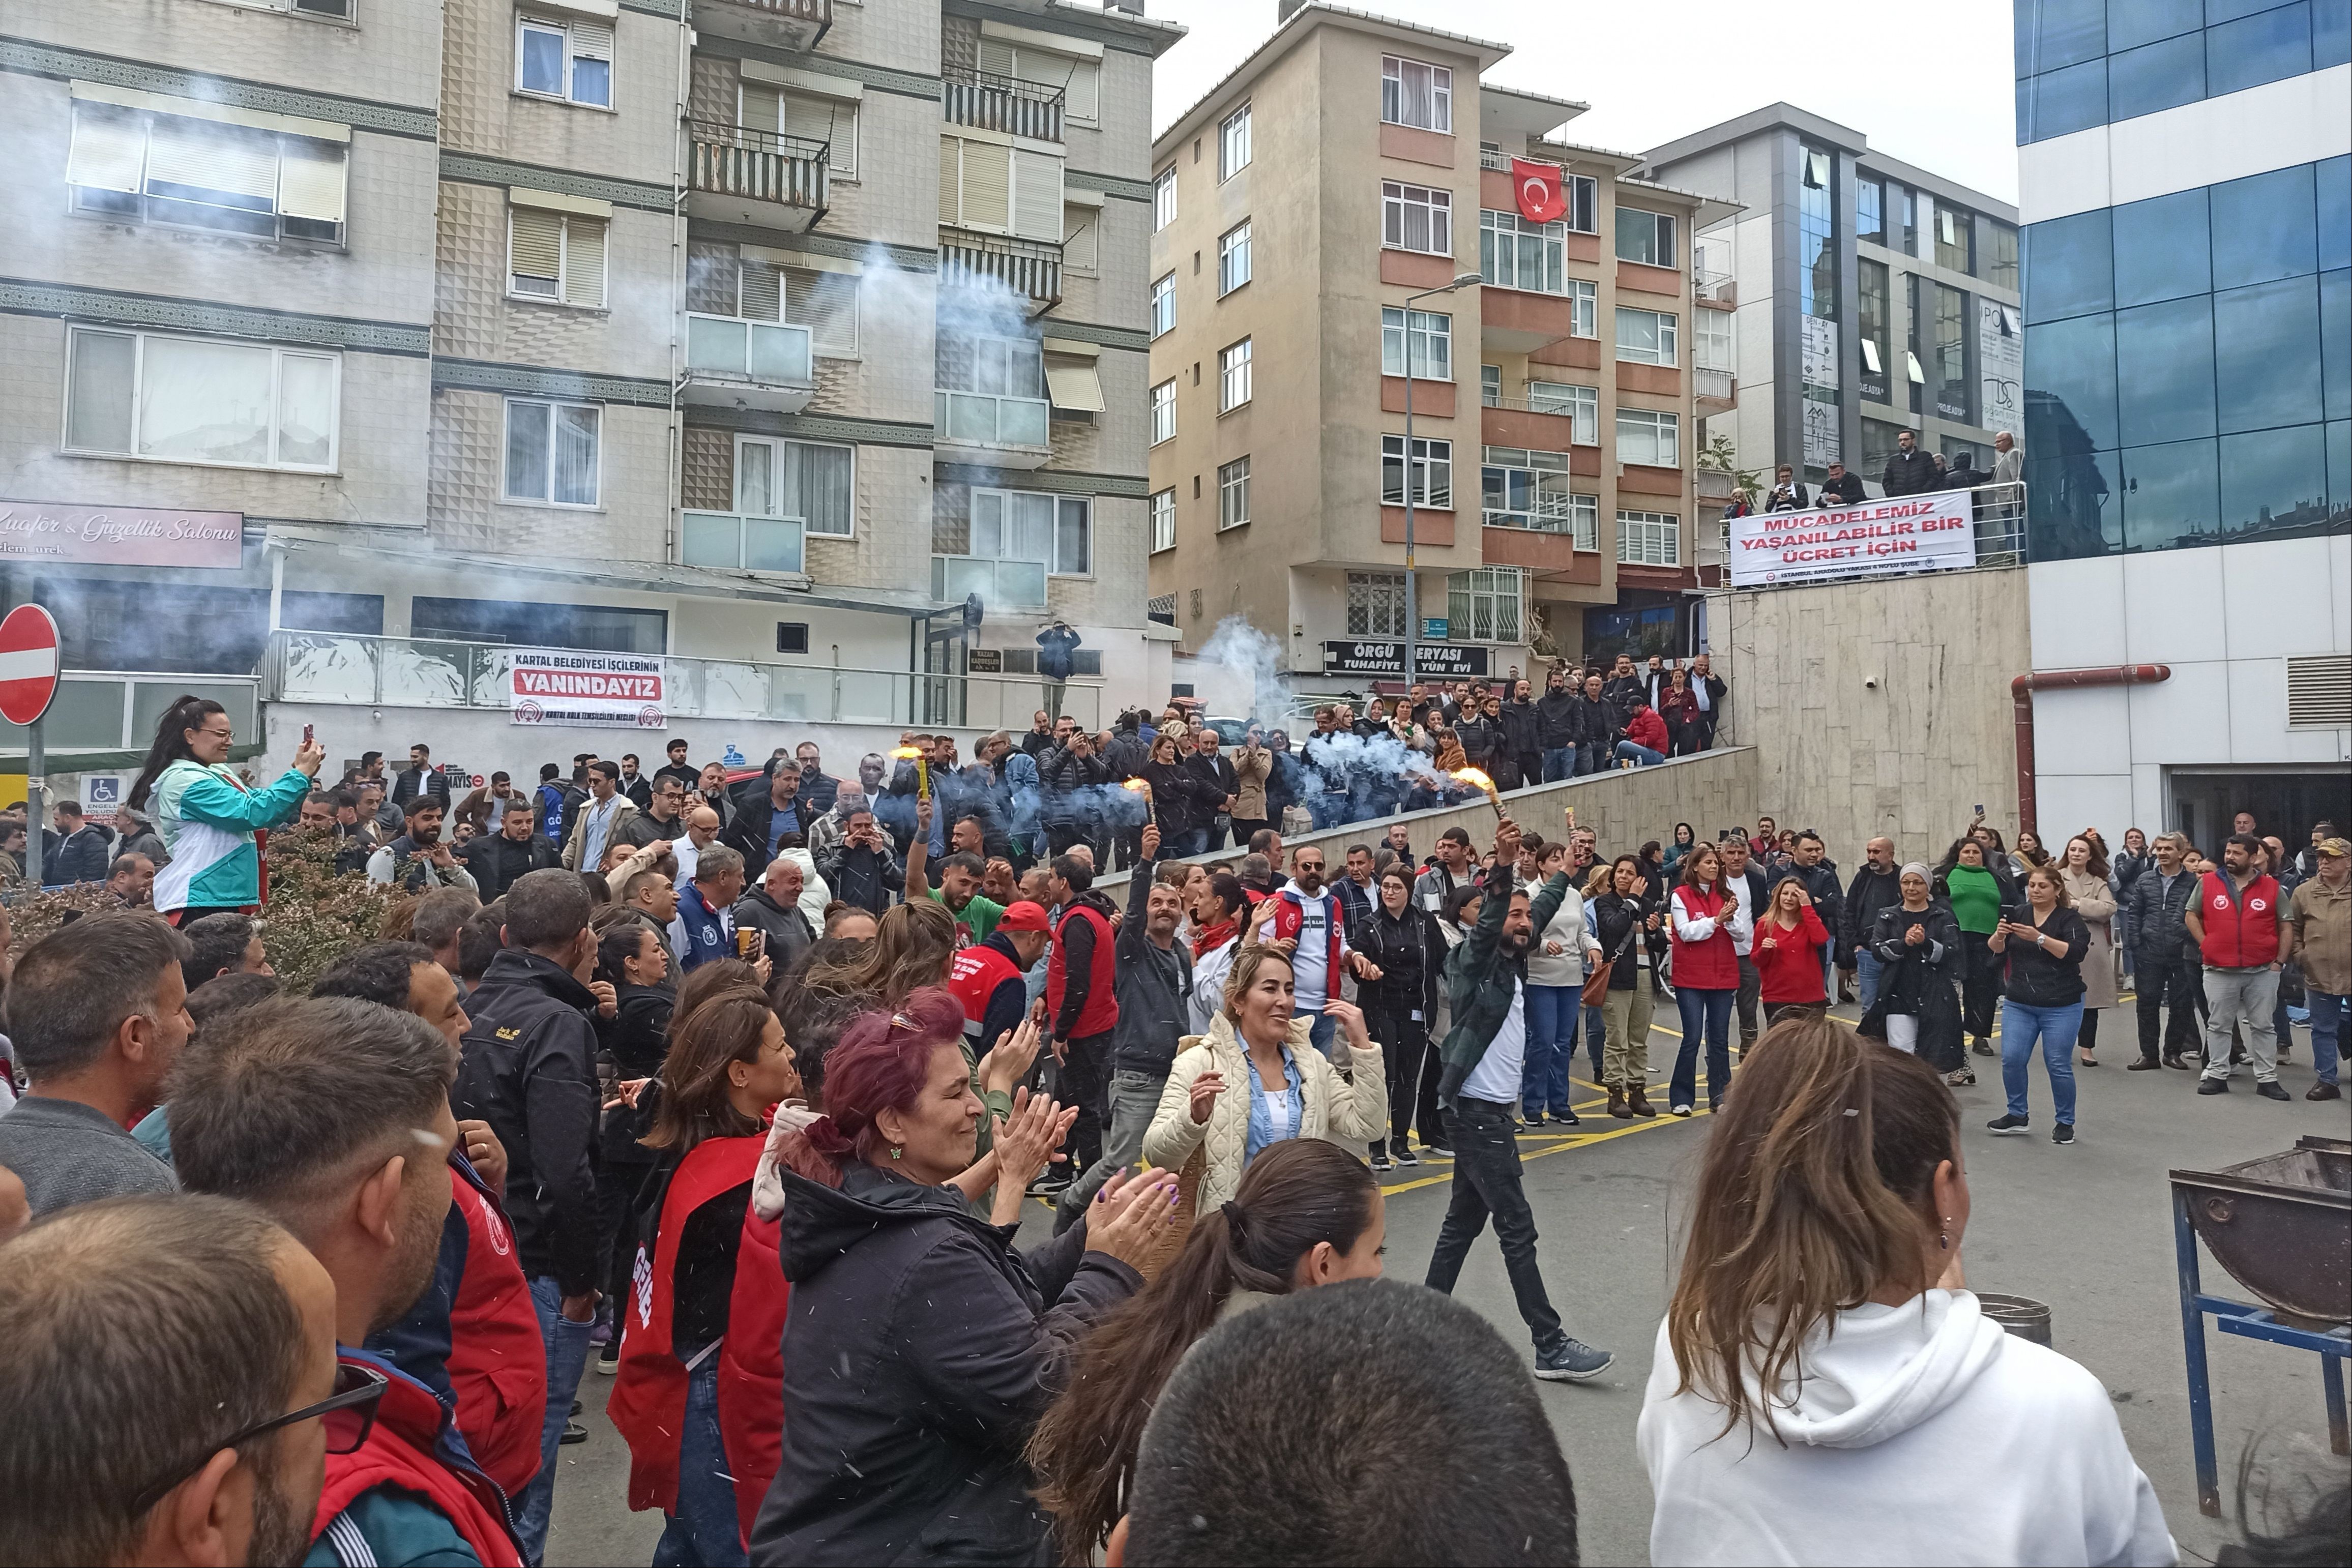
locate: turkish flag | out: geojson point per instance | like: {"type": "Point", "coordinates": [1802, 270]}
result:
{"type": "Point", "coordinates": [1538, 187]}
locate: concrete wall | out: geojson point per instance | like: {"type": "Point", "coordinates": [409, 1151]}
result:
{"type": "Point", "coordinates": [1877, 707]}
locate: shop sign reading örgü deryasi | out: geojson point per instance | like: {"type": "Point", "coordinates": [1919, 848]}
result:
{"type": "Point", "coordinates": [1933, 532]}
{"type": "Point", "coordinates": [582, 686]}
{"type": "Point", "coordinates": [120, 536]}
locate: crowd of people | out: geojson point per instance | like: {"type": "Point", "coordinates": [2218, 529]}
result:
{"type": "Point", "coordinates": [319, 1277]}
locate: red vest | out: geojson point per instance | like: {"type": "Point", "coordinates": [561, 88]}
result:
{"type": "Point", "coordinates": [1102, 1011]}
{"type": "Point", "coordinates": [2241, 932]}
{"type": "Point", "coordinates": [401, 1452]}
{"type": "Point", "coordinates": [498, 1359]}
{"type": "Point", "coordinates": [648, 1400]}
{"type": "Point", "coordinates": [973, 974]}
{"type": "Point", "coordinates": [1711, 965]}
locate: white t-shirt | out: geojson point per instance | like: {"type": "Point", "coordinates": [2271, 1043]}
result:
{"type": "Point", "coordinates": [1497, 1077]}
{"type": "Point", "coordinates": [1741, 893]}
{"type": "Point", "coordinates": [1310, 966]}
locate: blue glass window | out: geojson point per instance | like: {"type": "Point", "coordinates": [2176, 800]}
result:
{"type": "Point", "coordinates": [2335, 341]}
{"type": "Point", "coordinates": [2262, 228]}
{"type": "Point", "coordinates": [2255, 49]}
{"type": "Point", "coordinates": [2069, 496]}
{"type": "Point", "coordinates": [2334, 182]}
{"type": "Point", "coordinates": [2339, 470]}
{"type": "Point", "coordinates": [2220, 11]}
{"type": "Point", "coordinates": [2156, 76]}
{"type": "Point", "coordinates": [2161, 251]}
{"type": "Point", "coordinates": [2331, 33]}
{"type": "Point", "coordinates": [2059, 102]}
{"type": "Point", "coordinates": [2069, 268]}
{"type": "Point", "coordinates": [2134, 22]}
{"type": "Point", "coordinates": [2273, 478]}
{"type": "Point", "coordinates": [2164, 371]}
{"type": "Point", "coordinates": [2072, 364]}
{"type": "Point", "coordinates": [2267, 353]}
{"type": "Point", "coordinates": [2054, 33]}
{"type": "Point", "coordinates": [2170, 495]}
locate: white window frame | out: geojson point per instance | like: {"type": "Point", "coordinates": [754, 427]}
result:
{"type": "Point", "coordinates": [1584, 522]}
{"type": "Point", "coordinates": [506, 451]}
{"type": "Point", "coordinates": [1490, 386]}
{"type": "Point", "coordinates": [1666, 428]}
{"type": "Point", "coordinates": [140, 205]}
{"type": "Point", "coordinates": [1233, 143]}
{"type": "Point", "coordinates": [1163, 520]}
{"type": "Point", "coordinates": [1053, 568]}
{"type": "Point", "coordinates": [1580, 404]}
{"type": "Point", "coordinates": [1432, 464]}
{"type": "Point", "coordinates": [1545, 478]}
{"type": "Point", "coordinates": [1718, 345]}
{"type": "Point", "coordinates": [279, 354]}
{"type": "Point", "coordinates": [1163, 411]}
{"type": "Point", "coordinates": [809, 528]}
{"type": "Point", "coordinates": [1164, 198]}
{"type": "Point", "coordinates": [1498, 586]}
{"type": "Point", "coordinates": [1234, 376]}
{"type": "Point", "coordinates": [1439, 92]}
{"type": "Point", "coordinates": [1233, 258]}
{"type": "Point", "coordinates": [1399, 200]}
{"type": "Point", "coordinates": [575, 34]}
{"type": "Point", "coordinates": [561, 297]}
{"type": "Point", "coordinates": [1582, 194]}
{"type": "Point", "coordinates": [1233, 494]}
{"type": "Point", "coordinates": [1656, 222]}
{"type": "Point", "coordinates": [1584, 308]}
{"type": "Point", "coordinates": [1649, 539]}
{"type": "Point", "coordinates": [1431, 330]}
{"type": "Point", "coordinates": [1499, 234]}
{"type": "Point", "coordinates": [1376, 604]}
{"type": "Point", "coordinates": [1163, 305]}
{"type": "Point", "coordinates": [1667, 328]}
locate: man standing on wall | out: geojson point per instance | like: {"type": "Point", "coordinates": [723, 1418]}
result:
{"type": "Point", "coordinates": [1910, 471]}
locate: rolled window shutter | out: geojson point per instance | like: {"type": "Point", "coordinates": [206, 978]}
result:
{"type": "Point", "coordinates": [761, 299]}
{"type": "Point", "coordinates": [987, 186]}
{"type": "Point", "coordinates": [583, 261]}
{"type": "Point", "coordinates": [950, 180]}
{"type": "Point", "coordinates": [197, 156]}
{"type": "Point", "coordinates": [997, 58]}
{"type": "Point", "coordinates": [1079, 244]}
{"type": "Point", "coordinates": [311, 181]}
{"type": "Point", "coordinates": [591, 40]}
{"type": "Point", "coordinates": [762, 108]}
{"type": "Point", "coordinates": [1080, 97]}
{"type": "Point", "coordinates": [535, 250]}
{"type": "Point", "coordinates": [1037, 196]}
{"type": "Point", "coordinates": [826, 304]}
{"type": "Point", "coordinates": [827, 121]}
{"type": "Point", "coordinates": [109, 149]}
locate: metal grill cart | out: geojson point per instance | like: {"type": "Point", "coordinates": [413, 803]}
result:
{"type": "Point", "coordinates": [2282, 1227]}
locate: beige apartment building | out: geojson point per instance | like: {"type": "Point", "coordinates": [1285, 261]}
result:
{"type": "Point", "coordinates": [1311, 213]}
{"type": "Point", "coordinates": [798, 345]}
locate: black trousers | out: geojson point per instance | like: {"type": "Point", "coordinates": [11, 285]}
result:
{"type": "Point", "coordinates": [2167, 983]}
{"type": "Point", "coordinates": [1979, 985]}
{"type": "Point", "coordinates": [1246, 828]}
{"type": "Point", "coordinates": [1486, 1182]}
{"type": "Point", "coordinates": [1404, 1046]}
{"type": "Point", "coordinates": [616, 1220]}
{"type": "Point", "coordinates": [1084, 1081]}
{"type": "Point", "coordinates": [1751, 989]}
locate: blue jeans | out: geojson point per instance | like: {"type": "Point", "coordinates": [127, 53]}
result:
{"type": "Point", "coordinates": [1706, 1017]}
{"type": "Point", "coordinates": [705, 1532]}
{"type": "Point", "coordinates": [1642, 755]}
{"type": "Point", "coordinates": [1596, 1031]}
{"type": "Point", "coordinates": [567, 1358]}
{"type": "Point", "coordinates": [1322, 1031]}
{"type": "Point", "coordinates": [1866, 970]}
{"type": "Point", "coordinates": [2328, 1017]}
{"type": "Point", "coordinates": [1551, 1048]}
{"type": "Point", "coordinates": [1559, 762]}
{"type": "Point", "coordinates": [2055, 1028]}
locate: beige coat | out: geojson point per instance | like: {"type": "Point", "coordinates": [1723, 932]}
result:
{"type": "Point", "coordinates": [2095, 903]}
{"type": "Point", "coordinates": [1343, 1100]}
{"type": "Point", "coordinates": [1252, 765]}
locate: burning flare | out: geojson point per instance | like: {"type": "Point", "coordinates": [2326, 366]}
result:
{"type": "Point", "coordinates": [1473, 777]}
{"type": "Point", "coordinates": [1151, 811]}
{"type": "Point", "coordinates": [915, 755]}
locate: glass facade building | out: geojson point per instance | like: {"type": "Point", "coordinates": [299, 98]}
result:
{"type": "Point", "coordinates": [2082, 63]}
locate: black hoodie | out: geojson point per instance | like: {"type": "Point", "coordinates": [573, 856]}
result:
{"type": "Point", "coordinates": [1555, 723]}
{"type": "Point", "coordinates": [919, 1352]}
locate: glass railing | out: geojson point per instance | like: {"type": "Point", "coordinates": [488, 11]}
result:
{"type": "Point", "coordinates": [774, 353]}
{"type": "Point", "coordinates": [117, 710]}
{"type": "Point", "coordinates": [734, 542]}
{"type": "Point", "coordinates": [1001, 584]}
{"type": "Point", "coordinates": [984, 419]}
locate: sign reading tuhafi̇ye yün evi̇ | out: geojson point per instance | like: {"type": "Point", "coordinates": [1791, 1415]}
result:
{"type": "Point", "coordinates": [120, 536]}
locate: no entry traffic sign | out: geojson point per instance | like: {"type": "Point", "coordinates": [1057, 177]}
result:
{"type": "Point", "coordinates": [28, 664]}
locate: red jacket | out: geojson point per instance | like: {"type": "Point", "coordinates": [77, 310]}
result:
{"type": "Point", "coordinates": [498, 1359]}
{"type": "Point", "coordinates": [973, 974]}
{"type": "Point", "coordinates": [2241, 928]}
{"type": "Point", "coordinates": [1100, 1012]}
{"type": "Point", "coordinates": [1646, 728]}
{"type": "Point", "coordinates": [410, 1449]}
{"type": "Point", "coordinates": [1710, 963]}
{"type": "Point", "coordinates": [1790, 971]}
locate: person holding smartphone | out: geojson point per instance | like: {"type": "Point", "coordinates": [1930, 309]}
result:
{"type": "Point", "coordinates": [2043, 941]}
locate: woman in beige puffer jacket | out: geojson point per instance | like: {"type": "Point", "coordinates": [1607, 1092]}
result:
{"type": "Point", "coordinates": [2083, 867]}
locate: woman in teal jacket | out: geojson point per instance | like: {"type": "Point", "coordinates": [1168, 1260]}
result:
{"type": "Point", "coordinates": [209, 815]}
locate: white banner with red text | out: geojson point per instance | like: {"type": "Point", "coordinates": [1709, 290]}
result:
{"type": "Point", "coordinates": [582, 686]}
{"type": "Point", "coordinates": [1934, 532]}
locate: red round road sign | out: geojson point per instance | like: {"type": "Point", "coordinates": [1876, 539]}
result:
{"type": "Point", "coordinates": [28, 664]}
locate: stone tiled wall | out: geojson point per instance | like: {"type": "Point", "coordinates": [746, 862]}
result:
{"type": "Point", "coordinates": [474, 319]}
{"type": "Point", "coordinates": [390, 53]}
{"type": "Point", "coordinates": [469, 512]}
{"type": "Point", "coordinates": [481, 111]}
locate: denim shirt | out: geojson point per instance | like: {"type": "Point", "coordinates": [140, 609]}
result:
{"type": "Point", "coordinates": [1260, 1118]}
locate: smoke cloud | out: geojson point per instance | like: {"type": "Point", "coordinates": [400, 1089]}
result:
{"type": "Point", "coordinates": [1250, 654]}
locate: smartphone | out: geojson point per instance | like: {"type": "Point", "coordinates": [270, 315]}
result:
{"type": "Point", "coordinates": [310, 731]}
{"type": "Point", "coordinates": [1979, 807]}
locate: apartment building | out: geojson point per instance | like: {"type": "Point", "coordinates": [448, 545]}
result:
{"type": "Point", "coordinates": [795, 346]}
{"type": "Point", "coordinates": [1312, 217]}
{"type": "Point", "coordinates": [1868, 297]}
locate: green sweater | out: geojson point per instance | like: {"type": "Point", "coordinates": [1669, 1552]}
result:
{"type": "Point", "coordinates": [1976, 898]}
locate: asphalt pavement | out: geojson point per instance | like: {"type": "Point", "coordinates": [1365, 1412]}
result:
{"type": "Point", "coordinates": [2085, 1228]}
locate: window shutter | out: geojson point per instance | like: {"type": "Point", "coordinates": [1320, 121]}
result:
{"type": "Point", "coordinates": [311, 181]}
{"type": "Point", "coordinates": [761, 294]}
{"type": "Point", "coordinates": [1080, 245]}
{"type": "Point", "coordinates": [826, 304]}
{"type": "Point", "coordinates": [950, 180]}
{"type": "Point", "coordinates": [987, 186]}
{"type": "Point", "coordinates": [591, 40]}
{"type": "Point", "coordinates": [828, 121]}
{"type": "Point", "coordinates": [1037, 196]}
{"type": "Point", "coordinates": [109, 149]}
{"type": "Point", "coordinates": [195, 155]}
{"type": "Point", "coordinates": [997, 58]}
{"type": "Point", "coordinates": [535, 246]}
{"type": "Point", "coordinates": [763, 109]}
{"type": "Point", "coordinates": [583, 262]}
{"type": "Point", "coordinates": [1080, 97]}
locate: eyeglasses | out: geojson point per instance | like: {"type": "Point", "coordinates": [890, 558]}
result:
{"type": "Point", "coordinates": [347, 1416]}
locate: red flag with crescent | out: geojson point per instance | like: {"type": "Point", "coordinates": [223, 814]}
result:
{"type": "Point", "coordinates": [1538, 187]}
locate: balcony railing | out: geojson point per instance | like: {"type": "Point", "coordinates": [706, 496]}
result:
{"type": "Point", "coordinates": [732, 542]}
{"type": "Point", "coordinates": [330, 668]}
{"type": "Point", "coordinates": [758, 166]}
{"type": "Point", "coordinates": [106, 711]}
{"type": "Point", "coordinates": [1711, 385]}
{"type": "Point", "coordinates": [1493, 158]}
{"type": "Point", "coordinates": [1713, 485]}
{"type": "Point", "coordinates": [1001, 584]}
{"type": "Point", "coordinates": [984, 419]}
{"type": "Point", "coordinates": [794, 24]}
{"type": "Point", "coordinates": [988, 102]}
{"type": "Point", "coordinates": [774, 353]}
{"type": "Point", "coordinates": [1030, 269]}
{"type": "Point", "coordinates": [1714, 287]}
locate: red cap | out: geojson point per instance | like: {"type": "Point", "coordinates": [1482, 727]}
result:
{"type": "Point", "coordinates": [1026, 915]}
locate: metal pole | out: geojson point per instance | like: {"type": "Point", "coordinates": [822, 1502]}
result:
{"type": "Point", "coordinates": [1411, 578]}
{"type": "Point", "coordinates": [36, 790]}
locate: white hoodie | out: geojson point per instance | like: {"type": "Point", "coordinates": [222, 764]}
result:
{"type": "Point", "coordinates": [1921, 1434]}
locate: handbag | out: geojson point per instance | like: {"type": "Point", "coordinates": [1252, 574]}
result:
{"type": "Point", "coordinates": [1596, 987]}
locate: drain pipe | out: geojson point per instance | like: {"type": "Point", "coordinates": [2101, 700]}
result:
{"type": "Point", "coordinates": [2021, 693]}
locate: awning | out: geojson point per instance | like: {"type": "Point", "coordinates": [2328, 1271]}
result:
{"type": "Point", "coordinates": [1073, 384]}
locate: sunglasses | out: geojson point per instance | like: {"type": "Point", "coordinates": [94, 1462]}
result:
{"type": "Point", "coordinates": [347, 1416]}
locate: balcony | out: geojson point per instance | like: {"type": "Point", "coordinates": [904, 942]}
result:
{"type": "Point", "coordinates": [995, 431]}
{"type": "Point", "coordinates": [1540, 424]}
{"type": "Point", "coordinates": [987, 103]}
{"type": "Point", "coordinates": [1030, 269]}
{"type": "Point", "coordinates": [733, 363]}
{"type": "Point", "coordinates": [757, 178]}
{"type": "Point", "coordinates": [1716, 391]}
{"type": "Point", "coordinates": [1493, 158]}
{"type": "Point", "coordinates": [1716, 290]}
{"type": "Point", "coordinates": [726, 541]}
{"type": "Point", "coordinates": [1001, 584]}
{"type": "Point", "coordinates": [1713, 486]}
{"type": "Point", "coordinates": [794, 24]}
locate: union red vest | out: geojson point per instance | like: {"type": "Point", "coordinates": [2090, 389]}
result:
{"type": "Point", "coordinates": [752, 1367]}
{"type": "Point", "coordinates": [1711, 965]}
{"type": "Point", "coordinates": [498, 1359]}
{"type": "Point", "coordinates": [2241, 933]}
{"type": "Point", "coordinates": [1102, 1011]}
{"type": "Point", "coordinates": [973, 974]}
{"type": "Point", "coordinates": [401, 1452]}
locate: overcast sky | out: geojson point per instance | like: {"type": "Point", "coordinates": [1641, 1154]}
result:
{"type": "Point", "coordinates": [1930, 84]}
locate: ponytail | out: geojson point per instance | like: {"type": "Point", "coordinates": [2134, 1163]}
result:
{"type": "Point", "coordinates": [187, 711]}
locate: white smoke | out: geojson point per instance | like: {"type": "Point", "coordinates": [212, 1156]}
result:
{"type": "Point", "coordinates": [1241, 648]}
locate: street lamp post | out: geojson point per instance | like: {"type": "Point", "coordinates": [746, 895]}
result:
{"type": "Point", "coordinates": [1413, 578]}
